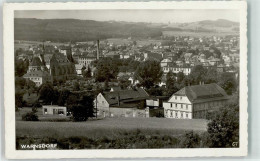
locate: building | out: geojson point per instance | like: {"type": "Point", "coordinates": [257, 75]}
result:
{"type": "Point", "coordinates": [194, 102]}
{"type": "Point", "coordinates": [37, 72]}
{"type": "Point", "coordinates": [38, 77]}
{"type": "Point", "coordinates": [61, 68]}
{"type": "Point", "coordinates": [86, 59]}
{"type": "Point", "coordinates": [185, 69]}
{"type": "Point", "coordinates": [54, 110]}
{"type": "Point", "coordinates": [122, 103]}
{"type": "Point", "coordinates": [165, 62]}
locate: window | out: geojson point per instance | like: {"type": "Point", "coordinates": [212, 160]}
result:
{"type": "Point", "coordinates": [181, 114]}
{"type": "Point", "coordinates": [60, 112]}
{"type": "Point", "coordinates": [176, 105]}
{"type": "Point", "coordinates": [187, 115]}
{"type": "Point", "coordinates": [181, 97]}
{"type": "Point", "coordinates": [181, 105]}
{"type": "Point", "coordinates": [171, 104]}
{"type": "Point", "coordinates": [176, 97]}
{"type": "Point", "coordinates": [186, 107]}
{"type": "Point", "coordinates": [176, 114]}
{"type": "Point", "coordinates": [171, 113]}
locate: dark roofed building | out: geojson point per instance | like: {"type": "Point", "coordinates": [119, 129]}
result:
{"type": "Point", "coordinates": [38, 77]}
{"type": "Point", "coordinates": [61, 67]}
{"type": "Point", "coordinates": [195, 101]}
{"type": "Point", "coordinates": [119, 102]}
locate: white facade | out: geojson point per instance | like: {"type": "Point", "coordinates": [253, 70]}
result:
{"type": "Point", "coordinates": [185, 70]}
{"type": "Point", "coordinates": [54, 110]}
{"type": "Point", "coordinates": [86, 61]}
{"type": "Point", "coordinates": [178, 107]}
{"type": "Point", "coordinates": [101, 105]}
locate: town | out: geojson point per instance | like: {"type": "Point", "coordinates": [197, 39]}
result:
{"type": "Point", "coordinates": [181, 77]}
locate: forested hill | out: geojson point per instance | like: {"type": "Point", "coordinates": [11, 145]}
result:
{"type": "Point", "coordinates": [79, 30]}
{"type": "Point", "coordinates": [86, 30]}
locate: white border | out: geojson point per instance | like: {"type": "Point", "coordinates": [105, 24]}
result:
{"type": "Point", "coordinates": [8, 32]}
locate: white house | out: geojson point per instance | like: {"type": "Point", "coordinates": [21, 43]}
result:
{"type": "Point", "coordinates": [54, 110]}
{"type": "Point", "coordinates": [194, 101]}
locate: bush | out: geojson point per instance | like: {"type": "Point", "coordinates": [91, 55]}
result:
{"type": "Point", "coordinates": [191, 140]}
{"type": "Point", "coordinates": [30, 116]}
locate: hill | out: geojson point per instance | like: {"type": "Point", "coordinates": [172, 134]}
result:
{"type": "Point", "coordinates": [61, 30]}
{"type": "Point", "coordinates": [79, 30]}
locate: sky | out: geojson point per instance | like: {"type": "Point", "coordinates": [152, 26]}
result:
{"type": "Point", "coordinates": [154, 16]}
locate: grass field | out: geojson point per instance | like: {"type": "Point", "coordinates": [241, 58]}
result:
{"type": "Point", "coordinates": [109, 127]}
{"type": "Point", "coordinates": [106, 133]}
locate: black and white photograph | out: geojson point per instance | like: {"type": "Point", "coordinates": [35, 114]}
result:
{"type": "Point", "coordinates": [131, 78]}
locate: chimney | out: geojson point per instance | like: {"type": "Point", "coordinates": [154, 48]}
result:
{"type": "Point", "coordinates": [97, 49]}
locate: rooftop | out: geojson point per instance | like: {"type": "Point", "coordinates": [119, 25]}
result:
{"type": "Point", "coordinates": [203, 93]}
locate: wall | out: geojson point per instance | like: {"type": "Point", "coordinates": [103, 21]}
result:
{"type": "Point", "coordinates": [128, 112]}
{"type": "Point", "coordinates": [178, 107]}
{"type": "Point", "coordinates": [102, 106]}
{"type": "Point", "coordinates": [50, 110]}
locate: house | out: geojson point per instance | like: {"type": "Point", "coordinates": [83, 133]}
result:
{"type": "Point", "coordinates": [78, 68]}
{"type": "Point", "coordinates": [165, 62]}
{"type": "Point", "coordinates": [86, 59]}
{"type": "Point", "coordinates": [193, 102]}
{"type": "Point", "coordinates": [54, 110]}
{"type": "Point", "coordinates": [185, 69]}
{"type": "Point", "coordinates": [122, 103]}
{"type": "Point", "coordinates": [37, 71]}
{"type": "Point", "coordinates": [38, 77]}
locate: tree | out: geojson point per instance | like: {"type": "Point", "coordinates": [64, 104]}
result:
{"type": "Point", "coordinates": [46, 92]}
{"type": "Point", "coordinates": [170, 84]}
{"type": "Point", "coordinates": [64, 94]}
{"type": "Point", "coordinates": [211, 76]}
{"type": "Point", "coordinates": [155, 91]}
{"type": "Point", "coordinates": [106, 70]}
{"type": "Point", "coordinates": [21, 67]}
{"type": "Point", "coordinates": [148, 73]}
{"type": "Point", "coordinates": [223, 128]}
{"type": "Point", "coordinates": [72, 100]}
{"type": "Point", "coordinates": [86, 73]}
{"type": "Point", "coordinates": [19, 99]}
{"type": "Point", "coordinates": [82, 108]}
{"type": "Point", "coordinates": [76, 86]}
{"type": "Point", "coordinates": [228, 82]}
{"type": "Point", "coordinates": [87, 102]}
{"type": "Point", "coordinates": [198, 74]}
{"type": "Point", "coordinates": [180, 77]}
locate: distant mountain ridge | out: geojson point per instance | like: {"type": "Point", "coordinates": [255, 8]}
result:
{"type": "Point", "coordinates": [87, 30]}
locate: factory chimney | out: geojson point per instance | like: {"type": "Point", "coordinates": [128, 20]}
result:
{"type": "Point", "coordinates": [97, 49]}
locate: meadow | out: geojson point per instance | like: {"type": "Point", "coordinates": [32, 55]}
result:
{"type": "Point", "coordinates": [105, 132]}
{"type": "Point", "coordinates": [109, 127]}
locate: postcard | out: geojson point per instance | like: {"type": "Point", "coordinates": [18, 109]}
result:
{"type": "Point", "coordinates": [125, 79]}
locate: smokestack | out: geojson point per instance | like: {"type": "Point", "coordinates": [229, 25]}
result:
{"type": "Point", "coordinates": [97, 49]}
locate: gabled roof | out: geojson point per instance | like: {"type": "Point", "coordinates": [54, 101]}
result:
{"type": "Point", "coordinates": [36, 61]}
{"type": "Point", "coordinates": [38, 73]}
{"type": "Point", "coordinates": [202, 93]}
{"type": "Point", "coordinates": [125, 96]}
{"type": "Point", "coordinates": [60, 58]}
